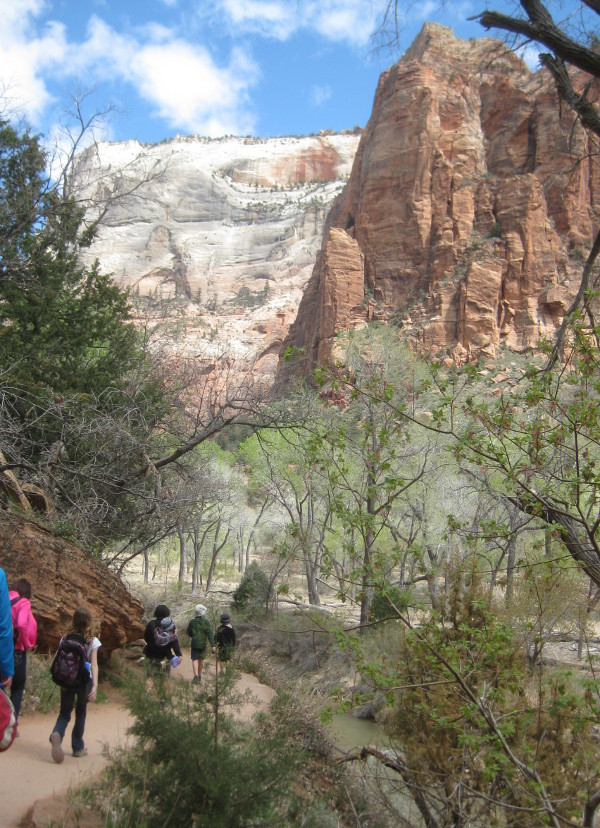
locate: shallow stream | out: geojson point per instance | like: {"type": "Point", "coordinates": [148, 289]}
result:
{"type": "Point", "coordinates": [350, 735]}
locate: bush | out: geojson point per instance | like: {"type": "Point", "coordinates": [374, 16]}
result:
{"type": "Point", "coordinates": [179, 773]}
{"type": "Point", "coordinates": [41, 694]}
{"type": "Point", "coordinates": [382, 600]}
{"type": "Point", "coordinates": [253, 591]}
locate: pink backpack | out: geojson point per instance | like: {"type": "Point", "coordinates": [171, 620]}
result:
{"type": "Point", "coordinates": [8, 722]}
{"type": "Point", "coordinates": [29, 630]}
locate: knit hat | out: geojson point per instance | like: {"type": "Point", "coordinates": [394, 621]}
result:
{"type": "Point", "coordinates": [225, 618]}
{"type": "Point", "coordinates": [199, 609]}
{"type": "Point", "coordinates": [167, 624]}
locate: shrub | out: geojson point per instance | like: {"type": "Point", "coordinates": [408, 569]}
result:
{"type": "Point", "coordinates": [179, 773]}
{"type": "Point", "coordinates": [382, 600]}
{"type": "Point", "coordinates": [253, 590]}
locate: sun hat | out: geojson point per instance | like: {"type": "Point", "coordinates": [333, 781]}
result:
{"type": "Point", "coordinates": [225, 618]}
{"type": "Point", "coordinates": [199, 609]}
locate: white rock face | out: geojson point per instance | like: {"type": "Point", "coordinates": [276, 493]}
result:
{"type": "Point", "coordinates": [221, 235]}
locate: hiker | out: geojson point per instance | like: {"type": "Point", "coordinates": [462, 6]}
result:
{"type": "Point", "coordinates": [85, 689]}
{"type": "Point", "coordinates": [200, 633]}
{"type": "Point", "coordinates": [225, 640]}
{"type": "Point", "coordinates": [7, 659]}
{"type": "Point", "coordinates": [162, 643]}
{"type": "Point", "coordinates": [24, 637]}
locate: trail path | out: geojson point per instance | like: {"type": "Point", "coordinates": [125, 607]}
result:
{"type": "Point", "coordinates": [28, 773]}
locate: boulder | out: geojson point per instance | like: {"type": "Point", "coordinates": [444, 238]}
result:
{"type": "Point", "coordinates": [63, 576]}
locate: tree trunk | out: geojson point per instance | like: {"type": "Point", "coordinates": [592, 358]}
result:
{"type": "Point", "coordinates": [217, 547]}
{"type": "Point", "coordinates": [312, 584]}
{"type": "Point", "coordinates": [575, 536]}
{"type": "Point", "coordinates": [181, 576]}
{"type": "Point", "coordinates": [510, 570]}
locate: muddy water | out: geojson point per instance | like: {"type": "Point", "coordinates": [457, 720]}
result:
{"type": "Point", "coordinates": [349, 735]}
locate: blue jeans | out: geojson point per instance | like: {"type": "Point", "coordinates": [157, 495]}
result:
{"type": "Point", "coordinates": [68, 699]}
{"type": "Point", "coordinates": [18, 682]}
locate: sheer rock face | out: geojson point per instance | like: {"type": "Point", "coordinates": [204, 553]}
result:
{"type": "Point", "coordinates": [217, 236]}
{"type": "Point", "coordinates": [62, 576]}
{"type": "Point", "coordinates": [472, 202]}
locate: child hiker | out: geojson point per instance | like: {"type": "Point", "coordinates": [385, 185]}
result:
{"type": "Point", "coordinates": [24, 637]}
{"type": "Point", "coordinates": [162, 650]}
{"type": "Point", "coordinates": [225, 640]}
{"type": "Point", "coordinates": [85, 690]}
{"type": "Point", "coordinates": [200, 633]}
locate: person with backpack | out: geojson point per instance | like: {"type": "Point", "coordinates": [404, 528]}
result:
{"type": "Point", "coordinates": [24, 637]}
{"type": "Point", "coordinates": [75, 670]}
{"type": "Point", "coordinates": [200, 633]}
{"type": "Point", "coordinates": [225, 640]}
{"type": "Point", "coordinates": [162, 643]}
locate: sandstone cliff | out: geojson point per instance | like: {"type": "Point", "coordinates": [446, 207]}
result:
{"type": "Point", "coordinates": [471, 204]}
{"type": "Point", "coordinates": [217, 236]}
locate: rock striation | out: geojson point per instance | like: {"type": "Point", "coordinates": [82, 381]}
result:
{"type": "Point", "coordinates": [217, 237]}
{"type": "Point", "coordinates": [63, 576]}
{"type": "Point", "coordinates": [471, 205]}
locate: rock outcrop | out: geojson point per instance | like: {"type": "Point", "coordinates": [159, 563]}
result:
{"type": "Point", "coordinates": [63, 576]}
{"type": "Point", "coordinates": [471, 205]}
{"type": "Point", "coordinates": [218, 237]}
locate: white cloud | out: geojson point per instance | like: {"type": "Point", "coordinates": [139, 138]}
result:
{"type": "Point", "coordinates": [189, 90]}
{"type": "Point", "coordinates": [270, 18]}
{"type": "Point", "coordinates": [320, 95]}
{"type": "Point", "coordinates": [25, 56]}
{"type": "Point", "coordinates": [352, 21]}
{"type": "Point", "coordinates": [180, 79]}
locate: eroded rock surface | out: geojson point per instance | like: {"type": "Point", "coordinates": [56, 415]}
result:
{"type": "Point", "coordinates": [471, 206]}
{"type": "Point", "coordinates": [216, 237]}
{"type": "Point", "coordinates": [63, 576]}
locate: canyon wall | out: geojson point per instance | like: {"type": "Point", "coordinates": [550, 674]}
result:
{"type": "Point", "coordinates": [216, 237]}
{"type": "Point", "coordinates": [469, 211]}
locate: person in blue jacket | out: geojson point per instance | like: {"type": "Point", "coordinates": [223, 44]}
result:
{"type": "Point", "coordinates": [7, 663]}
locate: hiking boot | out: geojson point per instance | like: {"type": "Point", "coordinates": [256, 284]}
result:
{"type": "Point", "coordinates": [82, 752]}
{"type": "Point", "coordinates": [196, 679]}
{"type": "Point", "coordinates": [58, 753]}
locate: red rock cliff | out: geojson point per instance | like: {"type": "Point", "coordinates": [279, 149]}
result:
{"type": "Point", "coordinates": [472, 201]}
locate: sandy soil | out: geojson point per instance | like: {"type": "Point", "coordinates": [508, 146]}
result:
{"type": "Point", "coordinates": [28, 773]}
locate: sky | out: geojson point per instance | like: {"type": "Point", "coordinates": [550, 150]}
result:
{"type": "Point", "coordinates": [204, 67]}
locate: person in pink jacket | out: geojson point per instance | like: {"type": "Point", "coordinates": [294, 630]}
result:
{"type": "Point", "coordinates": [24, 637]}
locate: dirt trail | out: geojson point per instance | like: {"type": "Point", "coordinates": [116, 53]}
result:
{"type": "Point", "coordinates": [28, 773]}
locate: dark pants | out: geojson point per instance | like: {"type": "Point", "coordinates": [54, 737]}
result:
{"type": "Point", "coordinates": [18, 683]}
{"type": "Point", "coordinates": [69, 699]}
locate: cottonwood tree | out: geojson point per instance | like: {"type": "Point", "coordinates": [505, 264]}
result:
{"type": "Point", "coordinates": [281, 463]}
{"type": "Point", "coordinates": [367, 455]}
{"type": "Point", "coordinates": [480, 739]}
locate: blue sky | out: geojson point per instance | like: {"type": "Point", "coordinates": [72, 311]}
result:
{"type": "Point", "coordinates": [204, 67]}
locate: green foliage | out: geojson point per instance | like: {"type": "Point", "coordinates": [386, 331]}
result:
{"type": "Point", "coordinates": [387, 601]}
{"type": "Point", "coordinates": [61, 327]}
{"type": "Point", "coordinates": [479, 734]}
{"type": "Point", "coordinates": [41, 694]}
{"type": "Point", "coordinates": [245, 298]}
{"type": "Point", "coordinates": [177, 774]}
{"type": "Point", "coordinates": [253, 591]}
